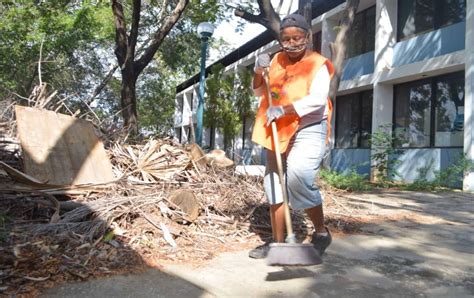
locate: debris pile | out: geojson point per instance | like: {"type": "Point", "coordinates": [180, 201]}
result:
{"type": "Point", "coordinates": [9, 145]}
{"type": "Point", "coordinates": [165, 203]}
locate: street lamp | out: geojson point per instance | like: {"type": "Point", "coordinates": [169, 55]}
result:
{"type": "Point", "coordinates": [205, 31]}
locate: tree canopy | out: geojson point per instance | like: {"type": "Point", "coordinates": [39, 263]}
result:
{"type": "Point", "coordinates": [77, 41]}
{"type": "Point", "coordinates": [67, 32]}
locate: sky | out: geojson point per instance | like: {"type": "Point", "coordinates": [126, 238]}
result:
{"type": "Point", "coordinates": [226, 30]}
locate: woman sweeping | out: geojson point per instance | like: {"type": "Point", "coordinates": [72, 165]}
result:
{"type": "Point", "coordinates": [299, 81]}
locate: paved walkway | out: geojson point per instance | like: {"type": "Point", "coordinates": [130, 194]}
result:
{"type": "Point", "coordinates": [426, 251]}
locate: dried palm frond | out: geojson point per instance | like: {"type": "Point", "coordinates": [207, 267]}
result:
{"type": "Point", "coordinates": [156, 160]}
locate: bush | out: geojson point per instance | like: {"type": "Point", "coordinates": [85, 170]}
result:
{"type": "Point", "coordinates": [443, 179]}
{"type": "Point", "coordinates": [352, 181]}
{"type": "Point", "coordinates": [382, 143]}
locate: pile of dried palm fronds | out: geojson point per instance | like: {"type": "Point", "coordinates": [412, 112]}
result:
{"type": "Point", "coordinates": [129, 215]}
{"type": "Point", "coordinates": [156, 160]}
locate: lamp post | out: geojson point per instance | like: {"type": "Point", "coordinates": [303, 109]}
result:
{"type": "Point", "coordinates": [205, 31]}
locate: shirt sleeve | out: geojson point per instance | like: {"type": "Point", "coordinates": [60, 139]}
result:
{"type": "Point", "coordinates": [318, 94]}
{"type": "Point", "coordinates": [259, 90]}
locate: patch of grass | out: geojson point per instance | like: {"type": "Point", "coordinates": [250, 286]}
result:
{"type": "Point", "coordinates": [420, 185]}
{"type": "Point", "coordinates": [352, 181]}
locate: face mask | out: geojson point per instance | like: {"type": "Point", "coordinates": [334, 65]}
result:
{"type": "Point", "coordinates": [295, 48]}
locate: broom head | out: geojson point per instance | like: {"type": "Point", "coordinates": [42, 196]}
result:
{"type": "Point", "coordinates": [293, 254]}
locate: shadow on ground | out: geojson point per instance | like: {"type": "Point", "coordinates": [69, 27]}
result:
{"type": "Point", "coordinates": [151, 283]}
{"type": "Point", "coordinates": [260, 223]}
{"type": "Point", "coordinates": [36, 257]}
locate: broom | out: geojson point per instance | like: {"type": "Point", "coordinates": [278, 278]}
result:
{"type": "Point", "coordinates": [289, 253]}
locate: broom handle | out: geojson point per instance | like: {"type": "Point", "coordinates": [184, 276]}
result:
{"type": "Point", "coordinates": [289, 227]}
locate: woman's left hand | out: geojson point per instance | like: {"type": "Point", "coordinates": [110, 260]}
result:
{"type": "Point", "coordinates": [273, 113]}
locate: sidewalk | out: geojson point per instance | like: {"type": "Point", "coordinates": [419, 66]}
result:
{"type": "Point", "coordinates": [427, 250]}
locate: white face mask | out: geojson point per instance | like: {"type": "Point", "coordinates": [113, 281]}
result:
{"type": "Point", "coordinates": [295, 49]}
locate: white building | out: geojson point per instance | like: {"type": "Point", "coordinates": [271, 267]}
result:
{"type": "Point", "coordinates": [410, 66]}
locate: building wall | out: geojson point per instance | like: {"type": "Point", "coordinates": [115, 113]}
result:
{"type": "Point", "coordinates": [358, 66]}
{"type": "Point", "coordinates": [391, 62]}
{"type": "Point", "coordinates": [435, 43]}
{"type": "Point", "coordinates": [411, 163]}
{"type": "Point", "coordinates": [348, 160]}
{"type": "Point", "coordinates": [431, 54]}
{"type": "Point", "coordinates": [468, 182]}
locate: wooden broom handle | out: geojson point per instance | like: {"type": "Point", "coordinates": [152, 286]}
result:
{"type": "Point", "coordinates": [276, 144]}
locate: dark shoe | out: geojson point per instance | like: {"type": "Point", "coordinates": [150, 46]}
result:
{"type": "Point", "coordinates": [260, 252]}
{"type": "Point", "coordinates": [321, 242]}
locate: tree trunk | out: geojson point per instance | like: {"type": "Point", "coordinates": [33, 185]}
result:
{"type": "Point", "coordinates": [125, 51]}
{"type": "Point", "coordinates": [305, 8]}
{"type": "Point", "coordinates": [338, 55]}
{"type": "Point", "coordinates": [129, 102]}
{"type": "Point", "coordinates": [338, 48]}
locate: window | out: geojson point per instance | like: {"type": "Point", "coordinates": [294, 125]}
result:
{"type": "Point", "coordinates": [178, 134]}
{"type": "Point", "coordinates": [187, 131]}
{"type": "Point", "coordinates": [354, 120]}
{"type": "Point", "coordinates": [430, 113]}
{"type": "Point", "coordinates": [361, 38]}
{"type": "Point", "coordinates": [412, 114]}
{"type": "Point", "coordinates": [449, 112]}
{"type": "Point", "coordinates": [419, 16]}
{"type": "Point", "coordinates": [180, 104]}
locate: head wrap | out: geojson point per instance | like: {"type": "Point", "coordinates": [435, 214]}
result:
{"type": "Point", "coordinates": [294, 20]}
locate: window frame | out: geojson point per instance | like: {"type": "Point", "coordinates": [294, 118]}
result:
{"type": "Point", "coordinates": [432, 81]}
{"type": "Point", "coordinates": [364, 25]}
{"type": "Point", "coordinates": [435, 25]}
{"type": "Point", "coordinates": [360, 96]}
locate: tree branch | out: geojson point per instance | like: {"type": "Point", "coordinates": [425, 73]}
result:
{"type": "Point", "coordinates": [159, 35]}
{"type": "Point", "coordinates": [289, 7]}
{"type": "Point", "coordinates": [279, 6]}
{"type": "Point", "coordinates": [250, 17]}
{"type": "Point", "coordinates": [338, 48]}
{"type": "Point", "coordinates": [267, 17]}
{"type": "Point", "coordinates": [121, 42]}
{"type": "Point", "coordinates": [101, 86]}
{"type": "Point", "coordinates": [135, 24]}
{"type": "Point", "coordinates": [109, 76]}
{"type": "Point", "coordinates": [162, 12]}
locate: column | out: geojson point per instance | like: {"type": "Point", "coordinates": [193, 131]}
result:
{"type": "Point", "coordinates": [385, 40]}
{"type": "Point", "coordinates": [178, 115]}
{"type": "Point", "coordinates": [328, 35]}
{"type": "Point", "coordinates": [468, 183]}
{"type": "Point", "coordinates": [187, 113]}
{"type": "Point", "coordinates": [386, 34]}
{"type": "Point", "coordinates": [382, 112]}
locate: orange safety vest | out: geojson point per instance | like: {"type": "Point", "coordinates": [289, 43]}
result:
{"type": "Point", "coordinates": [288, 83]}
